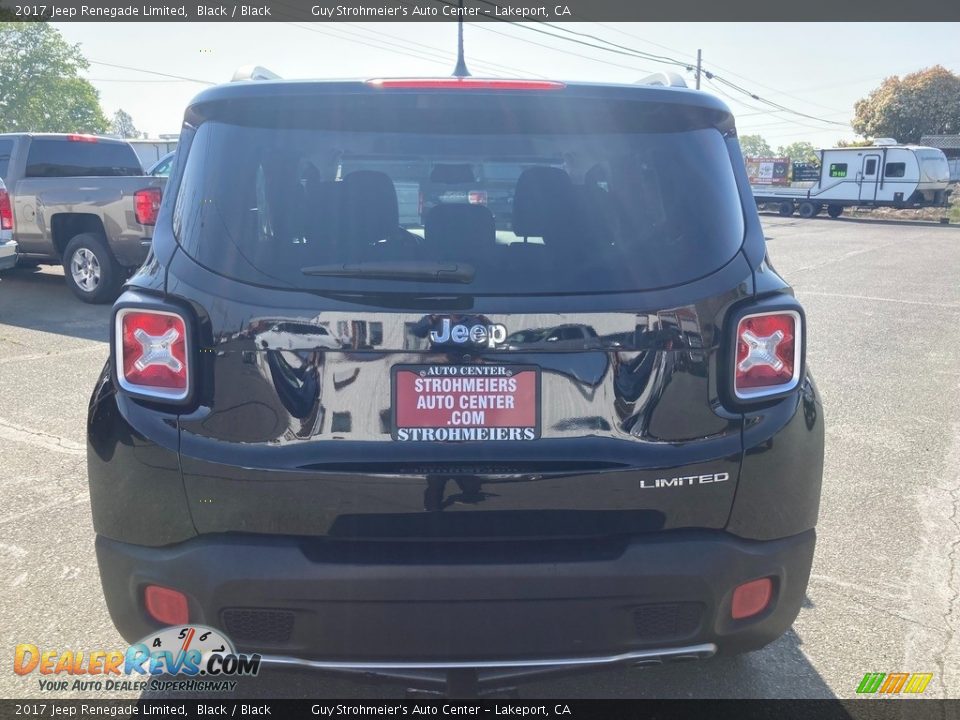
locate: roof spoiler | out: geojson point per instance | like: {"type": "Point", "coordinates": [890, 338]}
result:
{"type": "Point", "coordinates": [253, 72]}
{"type": "Point", "coordinates": [663, 79]}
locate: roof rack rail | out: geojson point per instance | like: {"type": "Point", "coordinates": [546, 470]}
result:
{"type": "Point", "coordinates": [664, 79]}
{"type": "Point", "coordinates": [253, 72]}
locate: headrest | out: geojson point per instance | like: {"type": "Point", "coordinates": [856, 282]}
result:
{"type": "Point", "coordinates": [458, 226]}
{"type": "Point", "coordinates": [543, 202]}
{"type": "Point", "coordinates": [475, 221]}
{"type": "Point", "coordinates": [370, 210]}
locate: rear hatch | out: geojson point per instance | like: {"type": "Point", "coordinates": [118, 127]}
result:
{"type": "Point", "coordinates": [531, 351]}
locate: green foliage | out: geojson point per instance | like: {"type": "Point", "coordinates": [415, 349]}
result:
{"type": "Point", "coordinates": [922, 103]}
{"type": "Point", "coordinates": [799, 152]}
{"type": "Point", "coordinates": [123, 126]}
{"type": "Point", "coordinates": [40, 85]}
{"type": "Point", "coordinates": [854, 143]}
{"type": "Point", "coordinates": [754, 146]}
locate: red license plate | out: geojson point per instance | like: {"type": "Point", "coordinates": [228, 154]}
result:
{"type": "Point", "coordinates": [457, 403]}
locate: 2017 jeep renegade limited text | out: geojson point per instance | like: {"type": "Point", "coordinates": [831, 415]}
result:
{"type": "Point", "coordinates": [457, 373]}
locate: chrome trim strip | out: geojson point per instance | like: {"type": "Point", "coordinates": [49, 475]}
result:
{"type": "Point", "coordinates": [699, 651]}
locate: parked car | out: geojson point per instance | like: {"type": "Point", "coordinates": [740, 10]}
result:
{"type": "Point", "coordinates": [8, 246]}
{"type": "Point", "coordinates": [83, 202]}
{"type": "Point", "coordinates": [429, 498]}
{"type": "Point", "coordinates": [161, 168]}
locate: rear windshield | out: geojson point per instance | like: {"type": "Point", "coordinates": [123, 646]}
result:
{"type": "Point", "coordinates": [6, 149]}
{"type": "Point", "coordinates": [514, 208]}
{"type": "Point", "coordinates": [49, 157]}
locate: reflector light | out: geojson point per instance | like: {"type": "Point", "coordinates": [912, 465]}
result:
{"type": "Point", "coordinates": [467, 83]}
{"type": "Point", "coordinates": [151, 348]}
{"type": "Point", "coordinates": [82, 138]}
{"type": "Point", "coordinates": [768, 354]}
{"type": "Point", "coordinates": [751, 598]}
{"type": "Point", "coordinates": [146, 205]}
{"type": "Point", "coordinates": [166, 606]}
{"type": "Point", "coordinates": [6, 211]}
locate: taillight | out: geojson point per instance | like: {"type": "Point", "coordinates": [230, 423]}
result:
{"type": "Point", "coordinates": [477, 197]}
{"type": "Point", "coordinates": [152, 353]}
{"type": "Point", "coordinates": [464, 83]}
{"type": "Point", "coordinates": [6, 211]}
{"type": "Point", "coordinates": [768, 355]}
{"type": "Point", "coordinates": [74, 137]}
{"type": "Point", "coordinates": [146, 204]}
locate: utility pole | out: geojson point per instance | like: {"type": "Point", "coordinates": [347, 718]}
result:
{"type": "Point", "coordinates": [699, 57]}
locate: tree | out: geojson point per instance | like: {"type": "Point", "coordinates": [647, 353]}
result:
{"type": "Point", "coordinates": [926, 102]}
{"type": "Point", "coordinates": [123, 125]}
{"type": "Point", "coordinates": [854, 143]}
{"type": "Point", "coordinates": [754, 146]}
{"type": "Point", "coordinates": [40, 85]}
{"type": "Point", "coordinates": [799, 152]}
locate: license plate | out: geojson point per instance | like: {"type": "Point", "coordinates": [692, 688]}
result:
{"type": "Point", "coordinates": [457, 403]}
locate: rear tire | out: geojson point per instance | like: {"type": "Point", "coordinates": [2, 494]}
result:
{"type": "Point", "coordinates": [834, 211]}
{"type": "Point", "coordinates": [808, 210]}
{"type": "Point", "coordinates": [92, 272]}
{"type": "Point", "coordinates": [785, 209]}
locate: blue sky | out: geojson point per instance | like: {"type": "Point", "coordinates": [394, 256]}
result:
{"type": "Point", "coordinates": [819, 69]}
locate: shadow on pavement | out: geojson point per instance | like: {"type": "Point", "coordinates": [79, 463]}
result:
{"type": "Point", "coordinates": [38, 299]}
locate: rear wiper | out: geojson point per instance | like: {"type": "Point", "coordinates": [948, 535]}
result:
{"type": "Point", "coordinates": [424, 270]}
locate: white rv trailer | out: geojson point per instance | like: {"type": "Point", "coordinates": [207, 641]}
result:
{"type": "Point", "coordinates": [885, 174]}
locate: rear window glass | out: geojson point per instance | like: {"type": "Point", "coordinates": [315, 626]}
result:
{"type": "Point", "coordinates": [74, 158]}
{"type": "Point", "coordinates": [6, 149]}
{"type": "Point", "coordinates": [895, 169]}
{"type": "Point", "coordinates": [564, 210]}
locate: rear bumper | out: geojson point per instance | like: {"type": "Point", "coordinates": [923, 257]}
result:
{"type": "Point", "coordinates": [8, 254]}
{"type": "Point", "coordinates": [440, 604]}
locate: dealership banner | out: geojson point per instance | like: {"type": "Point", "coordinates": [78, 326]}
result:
{"type": "Point", "coordinates": [469, 11]}
{"type": "Point", "coordinates": [486, 708]}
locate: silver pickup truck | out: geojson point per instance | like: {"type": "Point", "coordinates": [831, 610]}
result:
{"type": "Point", "coordinates": [83, 202]}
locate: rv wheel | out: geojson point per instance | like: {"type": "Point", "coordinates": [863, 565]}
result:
{"type": "Point", "coordinates": [834, 211]}
{"type": "Point", "coordinates": [809, 209]}
{"type": "Point", "coordinates": [785, 209]}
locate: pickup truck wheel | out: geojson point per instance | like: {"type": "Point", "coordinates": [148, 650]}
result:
{"type": "Point", "coordinates": [785, 209]}
{"type": "Point", "coordinates": [834, 211]}
{"type": "Point", "coordinates": [91, 271]}
{"type": "Point", "coordinates": [808, 209]}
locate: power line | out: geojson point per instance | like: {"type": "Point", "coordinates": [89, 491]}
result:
{"type": "Point", "coordinates": [151, 72]}
{"type": "Point", "coordinates": [484, 27]}
{"type": "Point", "coordinates": [773, 104]}
{"type": "Point", "coordinates": [474, 60]}
{"type": "Point", "coordinates": [612, 47]}
{"type": "Point", "coordinates": [129, 80]}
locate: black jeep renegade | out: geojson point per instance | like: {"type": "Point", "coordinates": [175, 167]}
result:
{"type": "Point", "coordinates": [457, 373]}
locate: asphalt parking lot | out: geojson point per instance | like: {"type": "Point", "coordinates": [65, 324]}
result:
{"type": "Point", "coordinates": [883, 305]}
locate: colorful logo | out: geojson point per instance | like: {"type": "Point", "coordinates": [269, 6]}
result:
{"type": "Point", "coordinates": [894, 683]}
{"type": "Point", "coordinates": [188, 652]}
